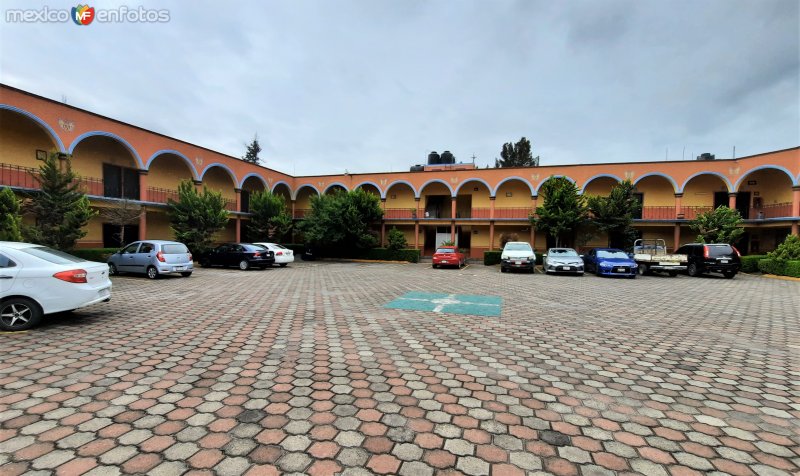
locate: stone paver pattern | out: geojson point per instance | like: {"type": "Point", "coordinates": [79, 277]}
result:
{"type": "Point", "coordinates": [303, 370]}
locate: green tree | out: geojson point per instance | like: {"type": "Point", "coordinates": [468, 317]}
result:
{"type": "Point", "coordinates": [614, 214]}
{"type": "Point", "coordinates": [10, 218]}
{"type": "Point", "coordinates": [253, 149]}
{"type": "Point", "coordinates": [563, 210]}
{"type": "Point", "coordinates": [517, 155]}
{"type": "Point", "coordinates": [342, 221]}
{"type": "Point", "coordinates": [269, 217]}
{"type": "Point", "coordinates": [397, 240]}
{"type": "Point", "coordinates": [789, 250]}
{"type": "Point", "coordinates": [721, 225]}
{"type": "Point", "coordinates": [60, 207]}
{"type": "Point", "coordinates": [197, 217]}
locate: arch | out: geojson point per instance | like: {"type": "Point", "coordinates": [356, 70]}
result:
{"type": "Point", "coordinates": [474, 179]}
{"type": "Point", "coordinates": [224, 167]}
{"type": "Point", "coordinates": [658, 174]}
{"type": "Point", "coordinates": [368, 182]}
{"type": "Point", "coordinates": [49, 130]}
{"type": "Point", "coordinates": [419, 193]}
{"type": "Point", "coordinates": [762, 167]}
{"type": "Point", "coordinates": [176, 153]}
{"type": "Point", "coordinates": [707, 172]}
{"type": "Point", "coordinates": [396, 182]}
{"type": "Point", "coordinates": [254, 174]}
{"type": "Point", "coordinates": [301, 187]}
{"type": "Point", "coordinates": [334, 184]}
{"type": "Point", "coordinates": [513, 177]}
{"type": "Point", "coordinates": [538, 187]}
{"type": "Point", "coordinates": [281, 182]}
{"type": "Point", "coordinates": [589, 180]}
{"type": "Point", "coordinates": [117, 138]}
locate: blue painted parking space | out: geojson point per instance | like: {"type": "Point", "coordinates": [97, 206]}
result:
{"type": "Point", "coordinates": [448, 303]}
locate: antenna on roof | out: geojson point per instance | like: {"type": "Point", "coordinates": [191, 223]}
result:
{"type": "Point", "coordinates": [734, 152]}
{"type": "Point", "coordinates": [64, 98]}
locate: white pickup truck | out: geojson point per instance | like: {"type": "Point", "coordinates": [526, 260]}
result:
{"type": "Point", "coordinates": [651, 255]}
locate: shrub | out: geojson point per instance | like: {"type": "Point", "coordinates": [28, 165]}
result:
{"type": "Point", "coordinates": [491, 257]}
{"type": "Point", "coordinates": [780, 268]}
{"type": "Point", "coordinates": [789, 250]}
{"type": "Point", "coordinates": [750, 263]}
{"type": "Point", "coordinates": [385, 254]}
{"type": "Point", "coordinates": [94, 254]}
{"type": "Point", "coordinates": [397, 240]}
{"type": "Point", "coordinates": [10, 218]}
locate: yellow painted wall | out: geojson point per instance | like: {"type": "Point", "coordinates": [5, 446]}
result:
{"type": "Point", "coordinates": [227, 234]}
{"type": "Point", "coordinates": [253, 185]}
{"type": "Point", "coordinates": [600, 186]}
{"type": "Point", "coordinates": [523, 234]}
{"type": "Point", "coordinates": [773, 186]}
{"type": "Point", "coordinates": [94, 231]}
{"type": "Point", "coordinates": [435, 188]}
{"type": "Point", "coordinates": [700, 190]}
{"type": "Point", "coordinates": [304, 198]}
{"type": "Point", "coordinates": [480, 198]}
{"type": "Point", "coordinates": [408, 232]}
{"type": "Point", "coordinates": [167, 171]}
{"type": "Point", "coordinates": [667, 234]}
{"type": "Point", "coordinates": [481, 240]}
{"type": "Point", "coordinates": [520, 195]}
{"type": "Point", "coordinates": [20, 137]}
{"type": "Point", "coordinates": [283, 190]}
{"type": "Point", "coordinates": [91, 153]}
{"type": "Point", "coordinates": [217, 179]}
{"type": "Point", "coordinates": [404, 197]}
{"type": "Point", "coordinates": [657, 191]}
{"type": "Point", "coordinates": [158, 226]}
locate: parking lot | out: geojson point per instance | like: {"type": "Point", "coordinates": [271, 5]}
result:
{"type": "Point", "coordinates": [304, 370]}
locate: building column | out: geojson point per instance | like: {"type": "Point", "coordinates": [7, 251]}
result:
{"type": "Point", "coordinates": [534, 200]}
{"type": "Point", "coordinates": [678, 206]}
{"type": "Point", "coordinates": [491, 223]}
{"type": "Point", "coordinates": [732, 201]}
{"type": "Point", "coordinates": [238, 192]}
{"type": "Point", "coordinates": [143, 195]}
{"type": "Point", "coordinates": [453, 219]}
{"type": "Point", "coordinates": [676, 236]}
{"type": "Point", "coordinates": [416, 204]}
{"type": "Point", "coordinates": [416, 234]}
{"type": "Point", "coordinates": [198, 185]}
{"type": "Point", "coordinates": [383, 222]}
{"type": "Point", "coordinates": [142, 224]}
{"type": "Point", "coordinates": [796, 210]}
{"type": "Point", "coordinates": [294, 202]}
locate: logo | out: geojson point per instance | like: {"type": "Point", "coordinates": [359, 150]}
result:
{"type": "Point", "coordinates": [82, 14]}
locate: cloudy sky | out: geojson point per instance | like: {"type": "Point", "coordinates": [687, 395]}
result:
{"type": "Point", "coordinates": [374, 85]}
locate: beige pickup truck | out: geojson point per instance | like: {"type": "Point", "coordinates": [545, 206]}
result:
{"type": "Point", "coordinates": [651, 255]}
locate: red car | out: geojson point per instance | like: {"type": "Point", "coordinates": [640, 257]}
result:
{"type": "Point", "coordinates": [449, 256]}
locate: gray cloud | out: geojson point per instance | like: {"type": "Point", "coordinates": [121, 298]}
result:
{"type": "Point", "coordinates": [374, 86]}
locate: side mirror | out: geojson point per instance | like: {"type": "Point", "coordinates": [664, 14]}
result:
{"type": "Point", "coordinates": [544, 255]}
{"type": "Point", "coordinates": [581, 256]}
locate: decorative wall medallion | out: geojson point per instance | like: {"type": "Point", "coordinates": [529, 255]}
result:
{"type": "Point", "coordinates": [535, 176]}
{"type": "Point", "coordinates": [734, 170]}
{"type": "Point", "coordinates": [321, 184]}
{"type": "Point", "coordinates": [453, 179]}
{"type": "Point", "coordinates": [629, 175]}
{"type": "Point", "coordinates": [269, 180]}
{"type": "Point", "coordinates": [198, 160]}
{"type": "Point", "coordinates": [66, 125]}
{"type": "Point", "coordinates": [384, 182]}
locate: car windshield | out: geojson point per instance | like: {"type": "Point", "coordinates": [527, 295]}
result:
{"type": "Point", "coordinates": [563, 253]}
{"type": "Point", "coordinates": [518, 247]}
{"type": "Point", "coordinates": [445, 250]}
{"type": "Point", "coordinates": [254, 247]}
{"type": "Point", "coordinates": [609, 254]}
{"type": "Point", "coordinates": [51, 255]}
{"type": "Point", "coordinates": [176, 249]}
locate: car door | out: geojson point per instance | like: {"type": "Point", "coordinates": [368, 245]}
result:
{"type": "Point", "coordinates": [591, 265]}
{"type": "Point", "coordinates": [8, 274]}
{"type": "Point", "coordinates": [126, 257]}
{"type": "Point", "coordinates": [236, 254]}
{"type": "Point", "coordinates": [143, 257]}
{"type": "Point", "coordinates": [217, 255]}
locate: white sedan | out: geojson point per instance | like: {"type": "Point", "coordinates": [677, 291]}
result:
{"type": "Point", "coordinates": [37, 280]}
{"type": "Point", "coordinates": [283, 255]}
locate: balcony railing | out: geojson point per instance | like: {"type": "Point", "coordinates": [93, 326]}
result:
{"type": "Point", "coordinates": [510, 213]}
{"type": "Point", "coordinates": [690, 213]}
{"type": "Point", "coordinates": [658, 213]}
{"type": "Point", "coordinates": [301, 212]}
{"type": "Point", "coordinates": [92, 186]}
{"type": "Point", "coordinates": [398, 214]}
{"type": "Point", "coordinates": [777, 210]}
{"type": "Point", "coordinates": [160, 195]}
{"type": "Point", "coordinates": [230, 204]}
{"type": "Point", "coordinates": [17, 176]}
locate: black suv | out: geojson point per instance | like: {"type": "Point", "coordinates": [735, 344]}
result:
{"type": "Point", "coordinates": [704, 258]}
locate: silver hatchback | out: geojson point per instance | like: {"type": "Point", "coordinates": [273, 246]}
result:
{"type": "Point", "coordinates": [153, 258]}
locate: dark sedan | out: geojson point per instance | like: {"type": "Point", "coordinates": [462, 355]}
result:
{"type": "Point", "coordinates": [242, 255]}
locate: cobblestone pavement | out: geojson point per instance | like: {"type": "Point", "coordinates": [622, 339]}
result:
{"type": "Point", "coordinates": [302, 370]}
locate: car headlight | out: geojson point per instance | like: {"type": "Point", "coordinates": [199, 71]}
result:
{"type": "Point", "coordinates": [504, 257]}
{"type": "Point", "coordinates": [532, 258]}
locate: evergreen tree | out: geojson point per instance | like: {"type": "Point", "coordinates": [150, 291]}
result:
{"type": "Point", "coordinates": [253, 149]}
{"type": "Point", "coordinates": [614, 214]}
{"type": "Point", "coordinates": [342, 221]}
{"type": "Point", "coordinates": [10, 218]}
{"type": "Point", "coordinates": [270, 219]}
{"type": "Point", "coordinates": [397, 240]}
{"type": "Point", "coordinates": [563, 210]}
{"type": "Point", "coordinates": [517, 155]}
{"type": "Point", "coordinates": [197, 217]}
{"type": "Point", "coordinates": [60, 207]}
{"type": "Point", "coordinates": [721, 225]}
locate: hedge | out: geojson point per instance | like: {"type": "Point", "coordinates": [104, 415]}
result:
{"type": "Point", "coordinates": [491, 257]}
{"type": "Point", "coordinates": [750, 263]}
{"type": "Point", "coordinates": [780, 268]}
{"type": "Point", "coordinates": [94, 254]}
{"type": "Point", "coordinates": [385, 254]}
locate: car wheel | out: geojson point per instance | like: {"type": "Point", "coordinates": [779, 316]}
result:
{"type": "Point", "coordinates": [186, 274]}
{"type": "Point", "coordinates": [244, 265]}
{"type": "Point", "coordinates": [693, 270]}
{"type": "Point", "coordinates": [205, 264]}
{"type": "Point", "coordinates": [112, 269]}
{"type": "Point", "coordinates": [434, 266]}
{"type": "Point", "coordinates": [729, 274]}
{"type": "Point", "coordinates": [152, 272]}
{"type": "Point", "coordinates": [18, 314]}
{"type": "Point", "coordinates": [503, 270]}
{"type": "Point", "coordinates": [644, 269]}
{"type": "Point", "coordinates": [282, 265]}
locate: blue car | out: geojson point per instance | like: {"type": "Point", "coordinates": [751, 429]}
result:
{"type": "Point", "coordinates": [609, 262]}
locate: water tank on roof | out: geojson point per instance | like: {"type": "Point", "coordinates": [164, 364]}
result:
{"type": "Point", "coordinates": [448, 157]}
{"type": "Point", "coordinates": [417, 168]}
{"type": "Point", "coordinates": [706, 156]}
{"type": "Point", "coordinates": [434, 159]}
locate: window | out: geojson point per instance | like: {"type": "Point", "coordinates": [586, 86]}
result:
{"type": "Point", "coordinates": [175, 249]}
{"type": "Point", "coordinates": [147, 248]}
{"type": "Point", "coordinates": [130, 248]}
{"type": "Point", "coordinates": [120, 182]}
{"type": "Point", "coordinates": [445, 250]}
{"type": "Point", "coordinates": [52, 256]}
{"type": "Point", "coordinates": [639, 197]}
{"type": "Point", "coordinates": [5, 262]}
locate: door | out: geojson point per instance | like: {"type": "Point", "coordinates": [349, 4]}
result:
{"type": "Point", "coordinates": [720, 199]}
{"type": "Point", "coordinates": [218, 255]}
{"type": "Point", "coordinates": [144, 257]}
{"type": "Point", "coordinates": [126, 258]}
{"type": "Point", "coordinates": [743, 204]}
{"type": "Point", "coordinates": [8, 274]}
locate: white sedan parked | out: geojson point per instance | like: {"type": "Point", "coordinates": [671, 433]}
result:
{"type": "Point", "coordinates": [283, 255]}
{"type": "Point", "coordinates": [37, 280]}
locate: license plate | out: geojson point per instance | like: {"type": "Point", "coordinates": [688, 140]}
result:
{"type": "Point", "coordinates": [517, 262]}
{"type": "Point", "coordinates": [723, 261]}
{"type": "Point", "coordinates": [620, 270]}
{"type": "Point", "coordinates": [565, 268]}
{"type": "Point", "coordinates": [178, 268]}
{"type": "Point", "coordinates": [444, 261]}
